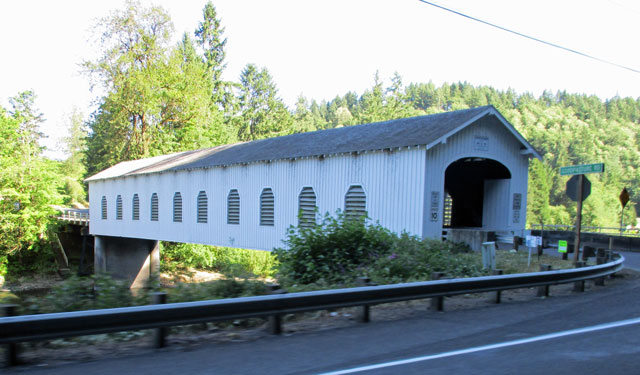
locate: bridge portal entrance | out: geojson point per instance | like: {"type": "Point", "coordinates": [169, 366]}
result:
{"type": "Point", "coordinates": [476, 193]}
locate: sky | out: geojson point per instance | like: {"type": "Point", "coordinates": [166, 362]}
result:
{"type": "Point", "coordinates": [321, 49]}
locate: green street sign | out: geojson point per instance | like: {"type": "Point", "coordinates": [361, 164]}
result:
{"type": "Point", "coordinates": [582, 169]}
{"type": "Point", "coordinates": [562, 246]}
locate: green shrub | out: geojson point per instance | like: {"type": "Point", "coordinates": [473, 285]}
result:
{"type": "Point", "coordinates": [331, 252]}
{"type": "Point", "coordinates": [102, 292]}
{"type": "Point", "coordinates": [38, 259]}
{"type": "Point", "coordinates": [86, 293]}
{"type": "Point", "coordinates": [217, 289]}
{"type": "Point", "coordinates": [229, 261]}
{"type": "Point", "coordinates": [337, 251]}
{"type": "Point", "coordinates": [415, 259]}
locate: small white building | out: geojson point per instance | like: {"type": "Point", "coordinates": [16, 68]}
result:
{"type": "Point", "coordinates": [462, 169]}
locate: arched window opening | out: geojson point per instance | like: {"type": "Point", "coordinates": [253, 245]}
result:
{"type": "Point", "coordinates": [355, 203]}
{"type": "Point", "coordinates": [177, 207]}
{"type": "Point", "coordinates": [233, 207]}
{"type": "Point", "coordinates": [307, 208]}
{"type": "Point", "coordinates": [119, 207]}
{"type": "Point", "coordinates": [203, 204]}
{"type": "Point", "coordinates": [103, 204]}
{"type": "Point", "coordinates": [266, 207]}
{"type": "Point", "coordinates": [154, 207]}
{"type": "Point", "coordinates": [135, 204]}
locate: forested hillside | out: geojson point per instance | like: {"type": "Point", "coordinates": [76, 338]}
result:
{"type": "Point", "coordinates": [162, 97]}
{"type": "Point", "coordinates": [567, 129]}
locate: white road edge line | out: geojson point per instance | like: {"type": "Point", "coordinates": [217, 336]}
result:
{"type": "Point", "coordinates": [549, 336]}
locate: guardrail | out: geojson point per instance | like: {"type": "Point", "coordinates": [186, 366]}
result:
{"type": "Point", "coordinates": [618, 231]}
{"type": "Point", "coordinates": [58, 325]}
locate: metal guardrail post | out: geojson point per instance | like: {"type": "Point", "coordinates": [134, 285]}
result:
{"type": "Point", "coordinates": [275, 324]}
{"type": "Point", "coordinates": [543, 291]}
{"type": "Point", "coordinates": [578, 286]}
{"type": "Point", "coordinates": [275, 321]}
{"type": "Point", "coordinates": [437, 303]}
{"type": "Point", "coordinates": [600, 259]}
{"type": "Point", "coordinates": [498, 296]}
{"type": "Point", "coordinates": [159, 334]}
{"type": "Point", "coordinates": [10, 350]}
{"type": "Point", "coordinates": [364, 311]}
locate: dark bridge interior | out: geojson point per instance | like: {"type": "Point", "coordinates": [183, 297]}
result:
{"type": "Point", "coordinates": [464, 182]}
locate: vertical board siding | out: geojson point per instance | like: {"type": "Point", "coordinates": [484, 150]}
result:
{"type": "Point", "coordinates": [503, 147]}
{"type": "Point", "coordinates": [393, 182]}
{"type": "Point", "coordinates": [495, 211]}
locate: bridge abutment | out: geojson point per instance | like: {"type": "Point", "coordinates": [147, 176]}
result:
{"type": "Point", "coordinates": [132, 259]}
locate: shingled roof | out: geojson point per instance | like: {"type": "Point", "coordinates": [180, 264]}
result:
{"type": "Point", "coordinates": [414, 131]}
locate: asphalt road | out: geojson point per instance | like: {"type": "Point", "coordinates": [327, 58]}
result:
{"type": "Point", "coordinates": [631, 260]}
{"type": "Point", "coordinates": [596, 332]}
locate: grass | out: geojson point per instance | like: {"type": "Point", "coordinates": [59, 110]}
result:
{"type": "Point", "coordinates": [231, 262]}
{"type": "Point", "coordinates": [516, 262]}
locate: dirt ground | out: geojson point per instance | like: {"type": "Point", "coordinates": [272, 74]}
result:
{"type": "Point", "coordinates": [95, 347]}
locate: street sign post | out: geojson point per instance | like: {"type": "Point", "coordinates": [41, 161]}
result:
{"type": "Point", "coordinates": [582, 169]}
{"type": "Point", "coordinates": [578, 186]}
{"type": "Point", "coordinates": [624, 199]}
{"type": "Point", "coordinates": [532, 241]}
{"type": "Point", "coordinates": [562, 246]}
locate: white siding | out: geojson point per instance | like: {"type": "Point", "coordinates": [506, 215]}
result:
{"type": "Point", "coordinates": [501, 146]}
{"type": "Point", "coordinates": [393, 182]}
{"type": "Point", "coordinates": [494, 210]}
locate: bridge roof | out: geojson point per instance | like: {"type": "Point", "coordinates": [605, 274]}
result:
{"type": "Point", "coordinates": [428, 131]}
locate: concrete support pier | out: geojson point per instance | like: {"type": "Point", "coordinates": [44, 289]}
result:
{"type": "Point", "coordinates": [472, 237]}
{"type": "Point", "coordinates": [132, 259]}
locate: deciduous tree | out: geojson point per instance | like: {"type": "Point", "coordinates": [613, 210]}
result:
{"type": "Point", "coordinates": [28, 182]}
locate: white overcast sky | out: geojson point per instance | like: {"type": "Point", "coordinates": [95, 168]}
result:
{"type": "Point", "coordinates": [321, 49]}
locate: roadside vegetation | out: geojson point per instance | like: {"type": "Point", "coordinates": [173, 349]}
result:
{"type": "Point", "coordinates": [332, 254]}
{"type": "Point", "coordinates": [339, 250]}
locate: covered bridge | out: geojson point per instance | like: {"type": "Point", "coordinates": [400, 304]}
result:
{"type": "Point", "coordinates": [462, 171]}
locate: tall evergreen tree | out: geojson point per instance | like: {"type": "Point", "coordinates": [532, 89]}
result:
{"type": "Point", "coordinates": [262, 113]}
{"type": "Point", "coordinates": [73, 168]}
{"type": "Point", "coordinates": [211, 41]}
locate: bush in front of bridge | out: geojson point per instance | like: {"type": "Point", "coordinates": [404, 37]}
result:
{"type": "Point", "coordinates": [228, 261]}
{"type": "Point", "coordinates": [217, 289]}
{"type": "Point", "coordinates": [338, 250]}
{"type": "Point", "coordinates": [415, 259]}
{"type": "Point", "coordinates": [102, 292]}
{"type": "Point", "coordinates": [85, 293]}
{"type": "Point", "coordinates": [332, 251]}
